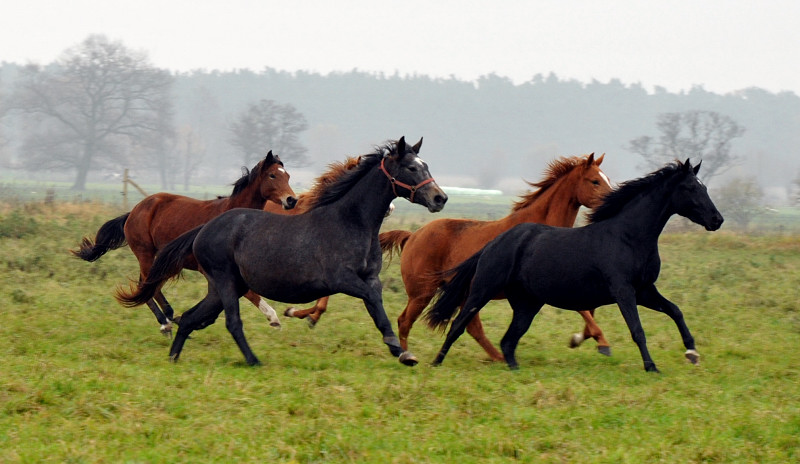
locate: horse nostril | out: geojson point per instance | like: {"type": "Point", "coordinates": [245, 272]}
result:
{"type": "Point", "coordinates": [440, 199]}
{"type": "Point", "coordinates": [291, 202]}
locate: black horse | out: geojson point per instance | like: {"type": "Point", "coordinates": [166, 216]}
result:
{"type": "Point", "coordinates": [332, 248]}
{"type": "Point", "coordinates": [614, 259]}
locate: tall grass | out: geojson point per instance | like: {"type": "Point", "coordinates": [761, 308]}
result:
{"type": "Point", "coordinates": [85, 380]}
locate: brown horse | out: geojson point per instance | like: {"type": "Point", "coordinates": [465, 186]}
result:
{"type": "Point", "coordinates": [444, 243]}
{"type": "Point", "coordinates": [162, 217]}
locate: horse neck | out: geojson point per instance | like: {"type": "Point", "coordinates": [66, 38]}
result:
{"type": "Point", "coordinates": [365, 204]}
{"type": "Point", "coordinates": [645, 217]}
{"type": "Point", "coordinates": [250, 197]}
{"type": "Point", "coordinates": [556, 206]}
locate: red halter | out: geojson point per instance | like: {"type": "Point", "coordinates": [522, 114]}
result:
{"type": "Point", "coordinates": [413, 189]}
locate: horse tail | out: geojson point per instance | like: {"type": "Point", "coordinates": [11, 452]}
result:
{"type": "Point", "coordinates": [393, 241]}
{"type": "Point", "coordinates": [168, 263]}
{"type": "Point", "coordinates": [110, 236]}
{"type": "Point", "coordinates": [452, 293]}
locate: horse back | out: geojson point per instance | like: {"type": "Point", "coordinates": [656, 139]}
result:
{"type": "Point", "coordinates": [163, 217]}
{"type": "Point", "coordinates": [445, 243]}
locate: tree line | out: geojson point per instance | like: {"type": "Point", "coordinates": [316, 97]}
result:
{"type": "Point", "coordinates": [101, 106]}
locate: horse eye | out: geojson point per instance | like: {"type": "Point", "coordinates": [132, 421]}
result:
{"type": "Point", "coordinates": [412, 168]}
{"type": "Point", "coordinates": [596, 182]}
{"type": "Point", "coordinates": [272, 176]}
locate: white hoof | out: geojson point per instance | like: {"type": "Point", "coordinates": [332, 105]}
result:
{"type": "Point", "coordinates": [576, 340]}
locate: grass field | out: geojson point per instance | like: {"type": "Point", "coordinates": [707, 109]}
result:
{"type": "Point", "coordinates": [86, 380]}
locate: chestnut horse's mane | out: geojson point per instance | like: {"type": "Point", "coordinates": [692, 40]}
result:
{"type": "Point", "coordinates": [336, 170]}
{"type": "Point", "coordinates": [555, 170]}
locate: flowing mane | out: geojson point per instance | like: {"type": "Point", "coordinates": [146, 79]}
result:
{"type": "Point", "coordinates": [615, 201]}
{"type": "Point", "coordinates": [341, 176]}
{"type": "Point", "coordinates": [248, 176]}
{"type": "Point", "coordinates": [555, 170]}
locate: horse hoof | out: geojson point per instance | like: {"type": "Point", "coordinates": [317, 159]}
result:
{"type": "Point", "coordinates": [173, 358]}
{"type": "Point", "coordinates": [604, 350]}
{"type": "Point", "coordinates": [692, 356]}
{"type": "Point", "coordinates": [311, 323]}
{"type": "Point", "coordinates": [576, 340]}
{"type": "Point", "coordinates": [289, 311]}
{"type": "Point", "coordinates": [277, 325]}
{"type": "Point", "coordinates": [408, 359]}
{"type": "Point", "coordinates": [166, 330]}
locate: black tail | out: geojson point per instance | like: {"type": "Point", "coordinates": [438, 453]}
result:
{"type": "Point", "coordinates": [452, 294]}
{"type": "Point", "coordinates": [168, 263]}
{"type": "Point", "coordinates": [110, 236]}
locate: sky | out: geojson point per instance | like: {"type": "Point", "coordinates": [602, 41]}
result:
{"type": "Point", "coordinates": [721, 45]}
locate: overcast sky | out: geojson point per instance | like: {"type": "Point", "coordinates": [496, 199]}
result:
{"type": "Point", "coordinates": [722, 45]}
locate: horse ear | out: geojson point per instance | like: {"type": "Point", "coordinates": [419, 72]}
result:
{"type": "Point", "coordinates": [417, 146]}
{"type": "Point", "coordinates": [599, 161]}
{"type": "Point", "coordinates": [270, 158]}
{"type": "Point", "coordinates": [697, 168]}
{"type": "Point", "coordinates": [589, 161]}
{"type": "Point", "coordinates": [400, 148]}
{"type": "Point", "coordinates": [687, 165]}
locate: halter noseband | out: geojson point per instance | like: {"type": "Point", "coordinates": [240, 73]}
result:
{"type": "Point", "coordinates": [411, 188]}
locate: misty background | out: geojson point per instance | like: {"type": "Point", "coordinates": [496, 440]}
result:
{"type": "Point", "coordinates": [490, 132]}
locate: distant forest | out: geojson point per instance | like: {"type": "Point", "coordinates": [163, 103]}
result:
{"type": "Point", "coordinates": [489, 133]}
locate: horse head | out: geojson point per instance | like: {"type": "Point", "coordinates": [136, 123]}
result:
{"type": "Point", "coordinates": [690, 199]}
{"type": "Point", "coordinates": [592, 185]}
{"type": "Point", "coordinates": [274, 182]}
{"type": "Point", "coordinates": [410, 177]}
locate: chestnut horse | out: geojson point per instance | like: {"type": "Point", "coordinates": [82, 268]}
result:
{"type": "Point", "coordinates": [162, 217]}
{"type": "Point", "coordinates": [442, 244]}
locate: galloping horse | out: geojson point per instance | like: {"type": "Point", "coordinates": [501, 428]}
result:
{"type": "Point", "coordinates": [332, 248]}
{"type": "Point", "coordinates": [614, 259]}
{"type": "Point", "coordinates": [162, 217]}
{"type": "Point", "coordinates": [442, 244]}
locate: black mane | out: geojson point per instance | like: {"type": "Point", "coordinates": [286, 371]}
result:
{"type": "Point", "coordinates": [349, 178]}
{"type": "Point", "coordinates": [615, 201]}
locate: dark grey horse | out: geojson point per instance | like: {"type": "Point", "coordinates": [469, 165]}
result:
{"type": "Point", "coordinates": [614, 259]}
{"type": "Point", "coordinates": [332, 248]}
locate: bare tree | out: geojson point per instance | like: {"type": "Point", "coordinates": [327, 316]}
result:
{"type": "Point", "coordinates": [87, 108]}
{"type": "Point", "coordinates": [699, 135]}
{"type": "Point", "coordinates": [267, 125]}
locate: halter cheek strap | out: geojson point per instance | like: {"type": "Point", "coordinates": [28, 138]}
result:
{"type": "Point", "coordinates": [412, 188]}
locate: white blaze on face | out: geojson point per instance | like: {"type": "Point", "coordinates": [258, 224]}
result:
{"type": "Point", "coordinates": [282, 170]}
{"type": "Point", "coordinates": [605, 178]}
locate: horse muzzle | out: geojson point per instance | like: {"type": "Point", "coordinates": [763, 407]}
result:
{"type": "Point", "coordinates": [432, 197]}
{"type": "Point", "coordinates": [289, 202]}
{"type": "Point", "coordinates": [715, 222]}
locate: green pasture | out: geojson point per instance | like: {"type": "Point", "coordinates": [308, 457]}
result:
{"type": "Point", "coordinates": [85, 380]}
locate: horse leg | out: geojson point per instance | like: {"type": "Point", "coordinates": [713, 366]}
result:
{"type": "Point", "coordinates": [626, 300]}
{"type": "Point", "coordinates": [370, 292]}
{"type": "Point", "coordinates": [524, 312]}
{"type": "Point", "coordinates": [229, 291]}
{"type": "Point", "coordinates": [166, 309]}
{"type": "Point", "coordinates": [313, 313]}
{"type": "Point", "coordinates": [410, 314]}
{"type": "Point", "coordinates": [198, 317]}
{"type": "Point", "coordinates": [265, 308]}
{"type": "Point", "coordinates": [591, 329]}
{"type": "Point", "coordinates": [475, 328]}
{"type": "Point", "coordinates": [651, 298]}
